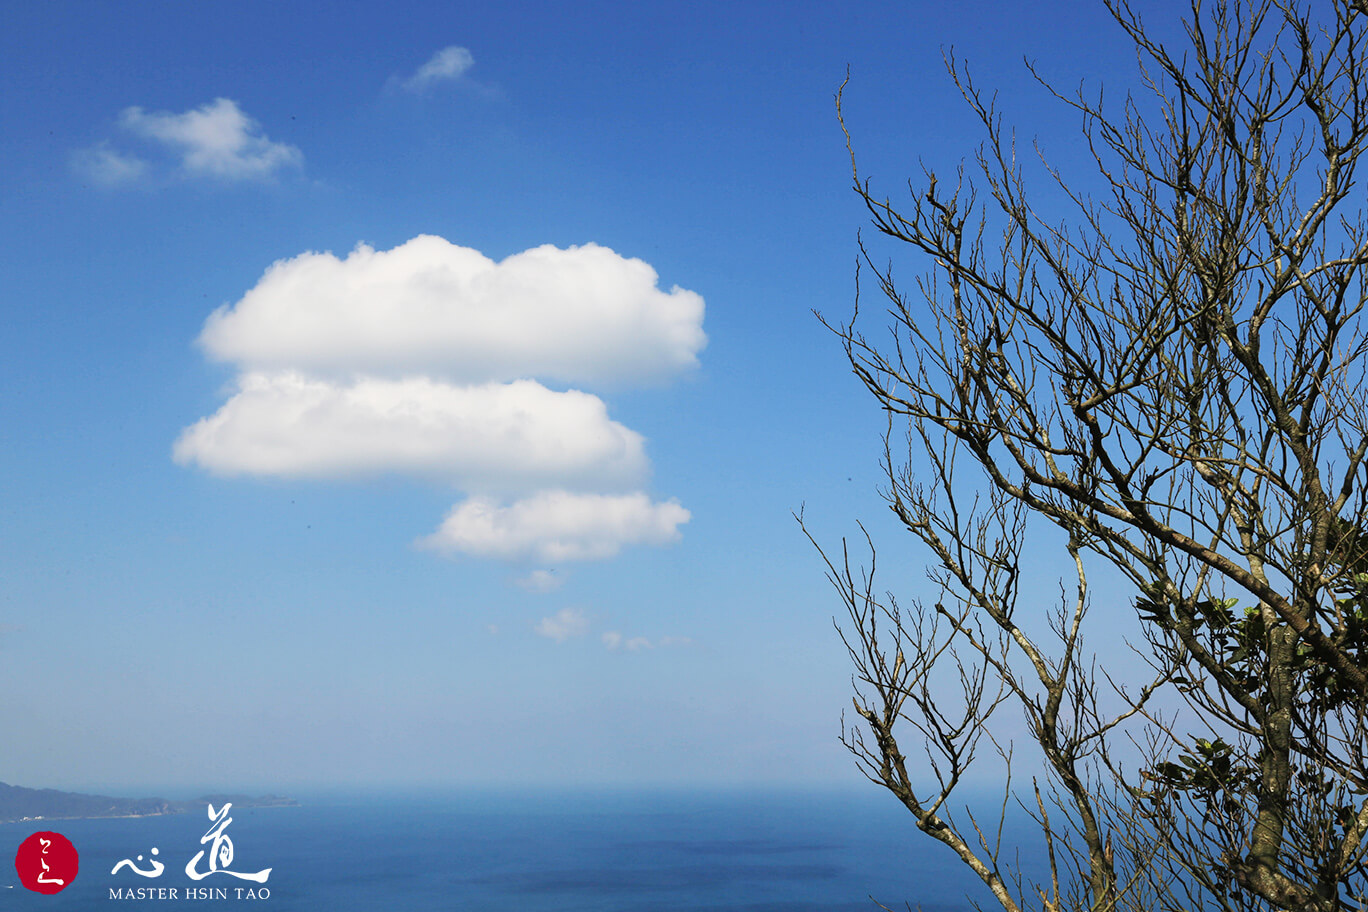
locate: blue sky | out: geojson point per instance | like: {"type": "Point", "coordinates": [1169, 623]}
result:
{"type": "Point", "coordinates": [391, 589]}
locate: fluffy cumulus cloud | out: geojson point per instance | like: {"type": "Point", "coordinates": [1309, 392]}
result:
{"type": "Point", "coordinates": [582, 315]}
{"type": "Point", "coordinates": [432, 360]}
{"type": "Point", "coordinates": [448, 64]}
{"type": "Point", "coordinates": [503, 437]}
{"type": "Point", "coordinates": [558, 526]}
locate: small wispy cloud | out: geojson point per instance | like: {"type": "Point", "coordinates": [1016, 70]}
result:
{"type": "Point", "coordinates": [564, 624]}
{"type": "Point", "coordinates": [108, 167]}
{"type": "Point", "coordinates": [615, 640]}
{"type": "Point", "coordinates": [569, 623]}
{"type": "Point", "coordinates": [540, 581]}
{"type": "Point", "coordinates": [447, 65]}
{"type": "Point", "coordinates": [217, 140]}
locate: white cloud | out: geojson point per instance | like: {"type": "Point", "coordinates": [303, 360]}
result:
{"type": "Point", "coordinates": [564, 624]}
{"type": "Point", "coordinates": [557, 526]}
{"type": "Point", "coordinates": [495, 437]}
{"type": "Point", "coordinates": [540, 581]}
{"type": "Point", "coordinates": [429, 360]}
{"type": "Point", "coordinates": [448, 64]}
{"type": "Point", "coordinates": [108, 167]}
{"type": "Point", "coordinates": [614, 640]}
{"type": "Point", "coordinates": [215, 140]}
{"type": "Point", "coordinates": [583, 315]}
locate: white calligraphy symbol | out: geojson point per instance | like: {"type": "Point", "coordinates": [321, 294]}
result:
{"type": "Point", "coordinates": [221, 852]}
{"type": "Point", "coordinates": [155, 871]}
{"type": "Point", "coordinates": [47, 880]}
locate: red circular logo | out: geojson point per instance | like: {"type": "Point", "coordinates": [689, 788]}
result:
{"type": "Point", "coordinates": [46, 862]}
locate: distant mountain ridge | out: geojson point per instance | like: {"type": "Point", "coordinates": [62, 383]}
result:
{"type": "Point", "coordinates": [18, 803]}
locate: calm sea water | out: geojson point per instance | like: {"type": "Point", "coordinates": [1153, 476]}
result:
{"type": "Point", "coordinates": [594, 851]}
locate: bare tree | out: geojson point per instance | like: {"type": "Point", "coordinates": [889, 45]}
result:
{"type": "Point", "coordinates": [1173, 379]}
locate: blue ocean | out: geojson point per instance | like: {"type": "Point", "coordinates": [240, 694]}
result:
{"type": "Point", "coordinates": [593, 851]}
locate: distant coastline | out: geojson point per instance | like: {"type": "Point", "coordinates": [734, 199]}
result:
{"type": "Point", "coordinates": [19, 804]}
